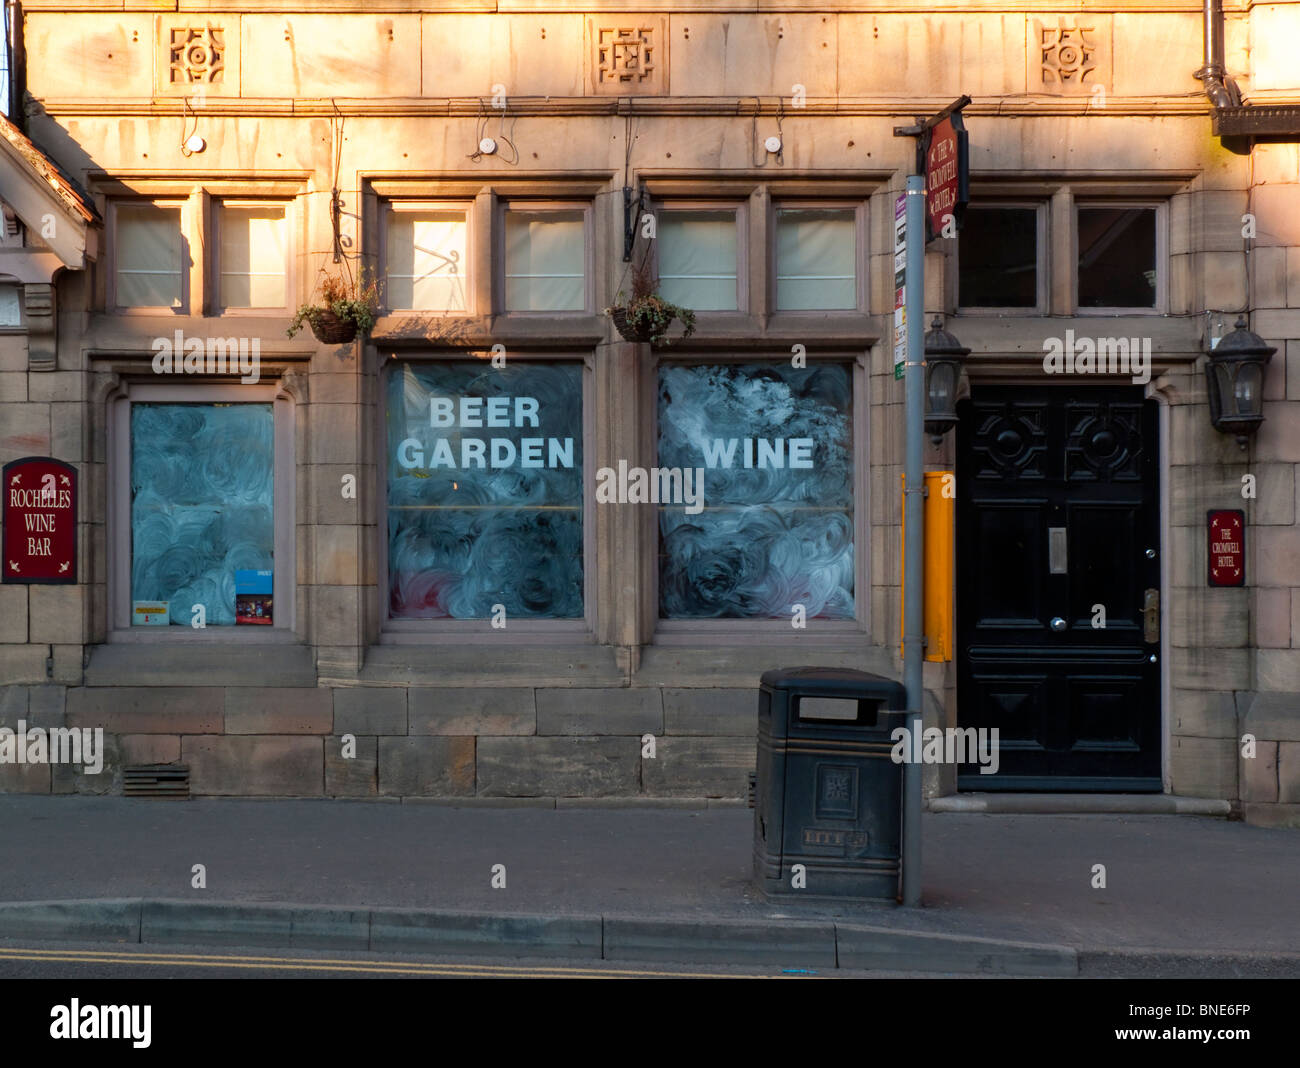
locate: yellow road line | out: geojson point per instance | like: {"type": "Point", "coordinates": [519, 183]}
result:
{"type": "Point", "coordinates": [337, 965]}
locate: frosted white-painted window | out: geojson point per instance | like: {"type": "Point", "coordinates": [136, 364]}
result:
{"type": "Point", "coordinates": [426, 260]}
{"type": "Point", "coordinates": [816, 254]}
{"type": "Point", "coordinates": [252, 256]}
{"type": "Point", "coordinates": [10, 306]}
{"type": "Point", "coordinates": [545, 261]}
{"type": "Point", "coordinates": [148, 256]}
{"type": "Point", "coordinates": [697, 259]}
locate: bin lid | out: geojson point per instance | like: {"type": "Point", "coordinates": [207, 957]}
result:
{"type": "Point", "coordinates": [836, 682]}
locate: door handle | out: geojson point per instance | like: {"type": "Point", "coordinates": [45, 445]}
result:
{"type": "Point", "coordinates": [1058, 624]}
{"type": "Point", "coordinates": [1151, 616]}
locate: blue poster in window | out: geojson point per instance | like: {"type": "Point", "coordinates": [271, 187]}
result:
{"type": "Point", "coordinates": [202, 482]}
{"type": "Point", "coordinates": [775, 445]}
{"type": "Point", "coordinates": [254, 603]}
{"type": "Point", "coordinates": [485, 491]}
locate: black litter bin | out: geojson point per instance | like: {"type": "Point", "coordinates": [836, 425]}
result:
{"type": "Point", "coordinates": [827, 795]}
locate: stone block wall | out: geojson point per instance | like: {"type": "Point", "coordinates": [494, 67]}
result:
{"type": "Point", "coordinates": [414, 741]}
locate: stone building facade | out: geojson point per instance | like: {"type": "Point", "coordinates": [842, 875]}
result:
{"type": "Point", "coordinates": [481, 618]}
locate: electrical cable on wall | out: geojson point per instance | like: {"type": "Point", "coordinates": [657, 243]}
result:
{"type": "Point", "coordinates": [191, 142]}
{"type": "Point", "coordinates": [773, 146]}
{"type": "Point", "coordinates": [484, 145]}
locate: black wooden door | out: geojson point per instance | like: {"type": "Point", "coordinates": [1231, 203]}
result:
{"type": "Point", "coordinates": [1058, 533]}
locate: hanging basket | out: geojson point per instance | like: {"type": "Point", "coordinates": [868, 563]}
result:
{"type": "Point", "coordinates": [626, 330]}
{"type": "Point", "coordinates": [331, 329]}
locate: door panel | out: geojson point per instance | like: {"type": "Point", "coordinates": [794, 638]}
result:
{"type": "Point", "coordinates": [1056, 510]}
{"type": "Point", "coordinates": [1008, 594]}
{"type": "Point", "coordinates": [1104, 566]}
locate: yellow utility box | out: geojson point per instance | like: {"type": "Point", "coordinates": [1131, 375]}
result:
{"type": "Point", "coordinates": [939, 519]}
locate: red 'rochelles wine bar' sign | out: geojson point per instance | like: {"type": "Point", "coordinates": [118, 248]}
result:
{"type": "Point", "coordinates": [40, 521]}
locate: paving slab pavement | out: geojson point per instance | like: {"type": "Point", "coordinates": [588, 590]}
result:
{"type": "Point", "coordinates": [1188, 888]}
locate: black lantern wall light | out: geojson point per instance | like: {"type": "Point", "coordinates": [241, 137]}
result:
{"type": "Point", "coordinates": [1234, 379]}
{"type": "Point", "coordinates": [943, 362]}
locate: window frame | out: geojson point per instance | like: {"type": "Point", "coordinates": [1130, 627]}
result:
{"type": "Point", "coordinates": [473, 631]}
{"type": "Point", "coordinates": [1160, 306]}
{"type": "Point", "coordinates": [690, 632]}
{"type": "Point", "coordinates": [284, 515]}
{"type": "Point", "coordinates": [506, 204]}
{"type": "Point", "coordinates": [861, 256]}
{"type": "Point", "coordinates": [187, 212]}
{"type": "Point", "coordinates": [388, 207]}
{"type": "Point", "coordinates": [214, 273]}
{"type": "Point", "coordinates": [1043, 259]}
{"type": "Point", "coordinates": [740, 207]}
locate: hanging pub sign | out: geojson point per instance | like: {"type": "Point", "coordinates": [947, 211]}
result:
{"type": "Point", "coordinates": [1226, 552]}
{"type": "Point", "coordinates": [40, 521]}
{"type": "Point", "coordinates": [945, 162]}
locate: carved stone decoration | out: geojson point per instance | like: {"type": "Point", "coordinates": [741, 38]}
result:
{"type": "Point", "coordinates": [38, 307]}
{"type": "Point", "coordinates": [1072, 56]}
{"type": "Point", "coordinates": [197, 54]}
{"type": "Point", "coordinates": [628, 54]}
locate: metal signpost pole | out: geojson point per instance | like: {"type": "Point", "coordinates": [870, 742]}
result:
{"type": "Point", "coordinates": [913, 531]}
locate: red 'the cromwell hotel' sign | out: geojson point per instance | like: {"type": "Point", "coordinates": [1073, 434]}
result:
{"type": "Point", "coordinates": [40, 521]}
{"type": "Point", "coordinates": [947, 175]}
{"type": "Point", "coordinates": [1226, 553]}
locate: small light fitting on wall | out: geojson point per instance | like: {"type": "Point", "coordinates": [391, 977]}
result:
{"type": "Point", "coordinates": [1234, 380]}
{"type": "Point", "coordinates": [944, 355]}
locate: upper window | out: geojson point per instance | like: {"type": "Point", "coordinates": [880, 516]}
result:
{"type": "Point", "coordinates": [253, 255]}
{"type": "Point", "coordinates": [998, 257]}
{"type": "Point", "coordinates": [697, 257]}
{"type": "Point", "coordinates": [545, 259]}
{"type": "Point", "coordinates": [816, 257]}
{"type": "Point", "coordinates": [148, 258]}
{"type": "Point", "coordinates": [1117, 257]}
{"type": "Point", "coordinates": [426, 259]}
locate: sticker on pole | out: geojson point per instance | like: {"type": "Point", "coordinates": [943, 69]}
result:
{"type": "Point", "coordinates": [900, 285]}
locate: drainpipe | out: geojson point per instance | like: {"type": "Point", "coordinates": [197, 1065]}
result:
{"type": "Point", "coordinates": [1239, 128]}
{"type": "Point", "coordinates": [1213, 74]}
{"type": "Point", "coordinates": [1222, 92]}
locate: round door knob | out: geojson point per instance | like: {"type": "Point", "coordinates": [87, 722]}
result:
{"type": "Point", "coordinates": [1152, 658]}
{"type": "Point", "coordinates": [1151, 554]}
{"type": "Point", "coordinates": [1058, 624]}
